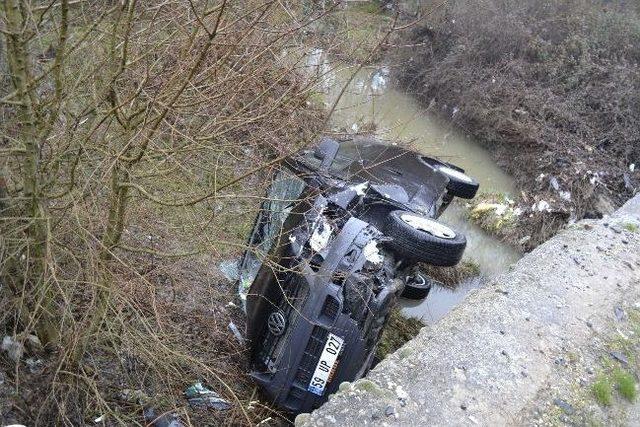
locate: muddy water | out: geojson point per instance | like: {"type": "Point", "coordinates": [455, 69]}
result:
{"type": "Point", "coordinates": [369, 98]}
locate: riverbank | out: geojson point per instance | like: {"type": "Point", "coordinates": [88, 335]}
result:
{"type": "Point", "coordinates": [551, 91]}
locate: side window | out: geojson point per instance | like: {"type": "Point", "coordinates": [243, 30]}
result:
{"type": "Point", "coordinates": [282, 194]}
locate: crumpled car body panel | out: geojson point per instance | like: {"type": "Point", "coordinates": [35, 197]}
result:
{"type": "Point", "coordinates": [317, 265]}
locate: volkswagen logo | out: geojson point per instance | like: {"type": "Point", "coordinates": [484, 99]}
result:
{"type": "Point", "coordinates": [276, 323]}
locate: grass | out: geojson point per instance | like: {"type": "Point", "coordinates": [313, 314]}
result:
{"type": "Point", "coordinates": [602, 390]}
{"type": "Point", "coordinates": [452, 276]}
{"type": "Point", "coordinates": [629, 226]}
{"type": "Point", "coordinates": [369, 7]}
{"type": "Point", "coordinates": [625, 384]}
{"type": "Point", "coordinates": [398, 331]}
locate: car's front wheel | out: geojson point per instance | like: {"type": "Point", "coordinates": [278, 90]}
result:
{"type": "Point", "coordinates": [424, 239]}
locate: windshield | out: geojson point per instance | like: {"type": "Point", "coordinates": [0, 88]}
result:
{"type": "Point", "coordinates": [282, 194]}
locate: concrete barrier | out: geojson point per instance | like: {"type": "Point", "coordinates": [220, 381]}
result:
{"type": "Point", "coordinates": [525, 349]}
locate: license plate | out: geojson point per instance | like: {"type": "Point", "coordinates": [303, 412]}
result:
{"type": "Point", "coordinates": [326, 363]}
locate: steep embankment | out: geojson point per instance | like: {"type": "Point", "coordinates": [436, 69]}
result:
{"type": "Point", "coordinates": [552, 88]}
{"type": "Point", "coordinates": [554, 340]}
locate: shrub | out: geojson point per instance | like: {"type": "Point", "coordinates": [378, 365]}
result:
{"type": "Point", "coordinates": [602, 391]}
{"type": "Point", "coordinates": [550, 87]}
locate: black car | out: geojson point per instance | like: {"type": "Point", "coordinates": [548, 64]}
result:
{"type": "Point", "coordinates": [332, 248]}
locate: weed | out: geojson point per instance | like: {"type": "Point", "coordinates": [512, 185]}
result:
{"type": "Point", "coordinates": [629, 226]}
{"type": "Point", "coordinates": [398, 331]}
{"type": "Point", "coordinates": [625, 383]}
{"type": "Point", "coordinates": [602, 390]}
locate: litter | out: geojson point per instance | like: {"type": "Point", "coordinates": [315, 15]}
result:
{"type": "Point", "coordinates": [541, 206]}
{"type": "Point", "coordinates": [36, 366]}
{"type": "Point", "coordinates": [199, 396]}
{"type": "Point", "coordinates": [236, 332]}
{"type": "Point", "coordinates": [230, 269]}
{"type": "Point", "coordinates": [13, 348]}
{"type": "Point", "coordinates": [133, 396]}
{"type": "Point", "coordinates": [162, 420]}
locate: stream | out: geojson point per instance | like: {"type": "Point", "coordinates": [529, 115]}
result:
{"type": "Point", "coordinates": [371, 101]}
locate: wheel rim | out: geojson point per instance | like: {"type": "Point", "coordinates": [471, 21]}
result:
{"type": "Point", "coordinates": [455, 174]}
{"type": "Point", "coordinates": [428, 226]}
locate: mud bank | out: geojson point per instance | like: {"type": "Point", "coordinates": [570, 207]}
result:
{"type": "Point", "coordinates": [551, 89]}
{"type": "Point", "coordinates": [528, 347]}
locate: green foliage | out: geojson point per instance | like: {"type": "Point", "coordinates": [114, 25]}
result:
{"type": "Point", "coordinates": [629, 226]}
{"type": "Point", "coordinates": [602, 390]}
{"type": "Point", "coordinates": [625, 383]}
{"type": "Point", "coordinates": [398, 331]}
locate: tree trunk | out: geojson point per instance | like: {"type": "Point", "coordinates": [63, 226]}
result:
{"type": "Point", "coordinates": [35, 209]}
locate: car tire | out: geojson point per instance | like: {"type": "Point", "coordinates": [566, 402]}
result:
{"type": "Point", "coordinates": [460, 184]}
{"type": "Point", "coordinates": [424, 239]}
{"type": "Point", "coordinates": [416, 289]}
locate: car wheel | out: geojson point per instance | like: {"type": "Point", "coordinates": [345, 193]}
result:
{"type": "Point", "coordinates": [416, 287]}
{"type": "Point", "coordinates": [424, 239]}
{"type": "Point", "coordinates": [460, 184]}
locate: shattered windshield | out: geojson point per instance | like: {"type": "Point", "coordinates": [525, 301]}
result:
{"type": "Point", "coordinates": [281, 197]}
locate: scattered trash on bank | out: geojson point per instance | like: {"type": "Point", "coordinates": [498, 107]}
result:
{"type": "Point", "coordinates": [229, 269]}
{"type": "Point", "coordinates": [236, 332]}
{"type": "Point", "coordinates": [201, 397]}
{"type": "Point", "coordinates": [494, 212]}
{"type": "Point", "coordinates": [161, 420]}
{"type": "Point", "coordinates": [36, 366]}
{"type": "Point", "coordinates": [138, 397]}
{"type": "Point", "coordinates": [14, 348]}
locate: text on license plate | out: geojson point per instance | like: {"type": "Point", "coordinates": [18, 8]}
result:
{"type": "Point", "coordinates": [327, 359]}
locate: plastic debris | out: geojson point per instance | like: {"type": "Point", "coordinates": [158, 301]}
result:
{"type": "Point", "coordinates": [360, 189]}
{"type": "Point", "coordinates": [619, 357]}
{"type": "Point", "coordinates": [100, 419]}
{"type": "Point", "coordinates": [230, 269]}
{"type": "Point", "coordinates": [36, 366]}
{"type": "Point", "coordinates": [236, 332]}
{"type": "Point", "coordinates": [162, 420]}
{"type": "Point", "coordinates": [201, 397]}
{"type": "Point", "coordinates": [565, 195]}
{"type": "Point", "coordinates": [632, 167]}
{"type": "Point", "coordinates": [380, 79]}
{"type": "Point", "coordinates": [13, 348]}
{"type": "Point", "coordinates": [133, 396]}
{"type": "Point", "coordinates": [541, 206]}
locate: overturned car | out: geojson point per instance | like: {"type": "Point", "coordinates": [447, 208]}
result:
{"type": "Point", "coordinates": [333, 247]}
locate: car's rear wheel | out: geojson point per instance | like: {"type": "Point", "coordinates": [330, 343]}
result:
{"type": "Point", "coordinates": [424, 239]}
{"type": "Point", "coordinates": [416, 287]}
{"type": "Point", "coordinates": [460, 184]}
